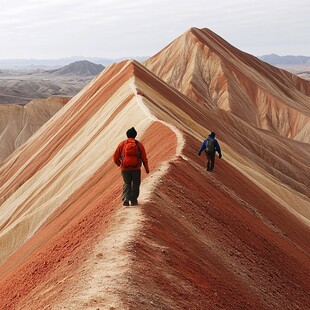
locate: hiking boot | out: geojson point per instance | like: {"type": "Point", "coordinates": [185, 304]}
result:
{"type": "Point", "coordinates": [126, 203]}
{"type": "Point", "coordinates": [134, 203]}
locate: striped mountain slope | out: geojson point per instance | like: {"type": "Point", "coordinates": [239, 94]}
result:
{"type": "Point", "coordinates": [234, 239]}
{"type": "Point", "coordinates": [211, 71]}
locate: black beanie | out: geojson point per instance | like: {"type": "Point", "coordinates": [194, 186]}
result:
{"type": "Point", "coordinates": [131, 133]}
{"type": "Point", "coordinates": [212, 134]}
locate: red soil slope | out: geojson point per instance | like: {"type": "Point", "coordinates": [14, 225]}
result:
{"type": "Point", "coordinates": [199, 240]}
{"type": "Point", "coordinates": [207, 246]}
{"type": "Point", "coordinates": [60, 246]}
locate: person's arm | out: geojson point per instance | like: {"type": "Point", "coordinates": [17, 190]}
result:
{"type": "Point", "coordinates": [144, 158]}
{"type": "Point", "coordinates": [117, 154]}
{"type": "Point", "coordinates": [217, 148]}
{"type": "Point", "coordinates": [203, 147]}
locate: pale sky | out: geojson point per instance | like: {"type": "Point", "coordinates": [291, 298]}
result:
{"type": "Point", "coordinates": [44, 29]}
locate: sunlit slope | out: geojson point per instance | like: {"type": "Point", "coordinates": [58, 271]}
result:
{"type": "Point", "coordinates": [212, 72]}
{"type": "Point", "coordinates": [64, 155]}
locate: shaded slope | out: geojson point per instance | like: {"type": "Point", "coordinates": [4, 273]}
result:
{"type": "Point", "coordinates": [198, 239]}
{"type": "Point", "coordinates": [18, 123]}
{"type": "Point", "coordinates": [210, 71]}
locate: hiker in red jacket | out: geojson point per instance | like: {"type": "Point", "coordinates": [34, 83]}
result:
{"type": "Point", "coordinates": [129, 156]}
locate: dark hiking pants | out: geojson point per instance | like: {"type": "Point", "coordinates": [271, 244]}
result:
{"type": "Point", "coordinates": [131, 187]}
{"type": "Point", "coordinates": [211, 159]}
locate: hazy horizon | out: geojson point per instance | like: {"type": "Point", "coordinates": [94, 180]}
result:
{"type": "Point", "coordinates": [76, 57]}
{"type": "Point", "coordinates": [116, 58]}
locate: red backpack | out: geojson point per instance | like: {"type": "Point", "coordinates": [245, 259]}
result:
{"type": "Point", "coordinates": [131, 154]}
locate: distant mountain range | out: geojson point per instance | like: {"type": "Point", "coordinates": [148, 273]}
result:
{"type": "Point", "coordinates": [32, 64]}
{"type": "Point", "coordinates": [299, 65]}
{"type": "Point", "coordinates": [46, 64]}
{"type": "Point", "coordinates": [275, 60]}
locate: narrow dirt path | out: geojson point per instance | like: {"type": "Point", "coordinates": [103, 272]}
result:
{"type": "Point", "coordinates": [105, 273]}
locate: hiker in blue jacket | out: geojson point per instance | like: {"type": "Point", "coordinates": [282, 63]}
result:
{"type": "Point", "coordinates": [210, 146]}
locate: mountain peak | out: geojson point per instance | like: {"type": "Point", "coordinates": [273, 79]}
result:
{"type": "Point", "coordinates": [212, 72]}
{"type": "Point", "coordinates": [79, 68]}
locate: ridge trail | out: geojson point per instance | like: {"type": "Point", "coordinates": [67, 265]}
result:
{"type": "Point", "coordinates": [110, 258]}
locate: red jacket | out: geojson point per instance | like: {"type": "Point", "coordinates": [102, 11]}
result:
{"type": "Point", "coordinates": [142, 159]}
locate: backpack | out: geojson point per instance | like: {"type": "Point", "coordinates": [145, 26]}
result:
{"type": "Point", "coordinates": [131, 154]}
{"type": "Point", "coordinates": [210, 148]}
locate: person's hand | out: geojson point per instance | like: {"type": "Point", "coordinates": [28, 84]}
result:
{"type": "Point", "coordinates": [220, 156]}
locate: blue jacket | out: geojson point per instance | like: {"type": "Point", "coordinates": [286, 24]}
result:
{"type": "Point", "coordinates": [216, 145]}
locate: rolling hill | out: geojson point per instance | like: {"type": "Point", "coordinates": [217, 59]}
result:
{"type": "Point", "coordinates": [20, 88]}
{"type": "Point", "coordinates": [78, 68]}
